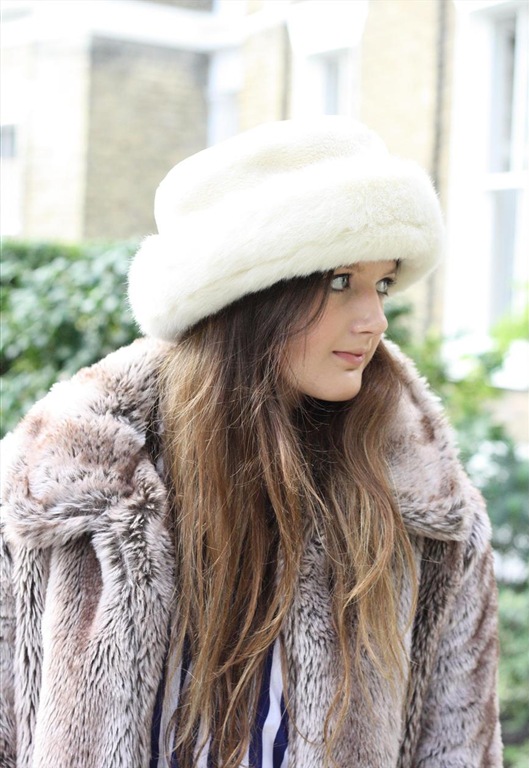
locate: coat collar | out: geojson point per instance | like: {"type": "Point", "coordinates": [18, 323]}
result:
{"type": "Point", "coordinates": [83, 448]}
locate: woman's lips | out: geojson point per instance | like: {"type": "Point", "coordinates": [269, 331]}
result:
{"type": "Point", "coordinates": [354, 358]}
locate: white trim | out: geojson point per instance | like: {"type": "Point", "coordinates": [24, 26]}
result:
{"type": "Point", "coordinates": [137, 21]}
{"type": "Point", "coordinates": [506, 180]}
{"type": "Point", "coordinates": [494, 6]}
{"type": "Point", "coordinates": [324, 32]}
{"type": "Point", "coordinates": [224, 85]}
{"type": "Point", "coordinates": [132, 20]}
{"type": "Point", "coordinates": [322, 26]}
{"type": "Point", "coordinates": [520, 91]}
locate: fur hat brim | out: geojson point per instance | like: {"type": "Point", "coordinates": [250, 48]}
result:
{"type": "Point", "coordinates": [281, 201]}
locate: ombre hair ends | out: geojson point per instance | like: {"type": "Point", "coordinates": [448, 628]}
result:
{"type": "Point", "coordinates": [255, 471]}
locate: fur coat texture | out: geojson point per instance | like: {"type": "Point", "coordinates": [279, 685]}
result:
{"type": "Point", "coordinates": [88, 579]}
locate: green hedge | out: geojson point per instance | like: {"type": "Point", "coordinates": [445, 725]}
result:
{"type": "Point", "coordinates": [64, 307]}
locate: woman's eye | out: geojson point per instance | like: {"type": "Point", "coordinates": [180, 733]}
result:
{"type": "Point", "coordinates": [340, 282]}
{"type": "Point", "coordinates": [384, 285]}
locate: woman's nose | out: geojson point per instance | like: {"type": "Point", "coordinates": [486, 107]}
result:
{"type": "Point", "coordinates": [368, 314]}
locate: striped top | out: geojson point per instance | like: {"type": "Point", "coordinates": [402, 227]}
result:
{"type": "Point", "coordinates": [269, 738]}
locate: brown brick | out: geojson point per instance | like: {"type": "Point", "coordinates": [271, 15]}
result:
{"type": "Point", "coordinates": [264, 95]}
{"type": "Point", "coordinates": [147, 112]}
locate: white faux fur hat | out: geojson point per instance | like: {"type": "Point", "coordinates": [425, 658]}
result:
{"type": "Point", "coordinates": [282, 200]}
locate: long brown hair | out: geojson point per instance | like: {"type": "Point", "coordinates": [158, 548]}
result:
{"type": "Point", "coordinates": [253, 473]}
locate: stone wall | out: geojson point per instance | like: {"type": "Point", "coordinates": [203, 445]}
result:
{"type": "Point", "coordinates": [266, 83]}
{"type": "Point", "coordinates": [400, 67]}
{"type": "Point", "coordinates": [147, 111]}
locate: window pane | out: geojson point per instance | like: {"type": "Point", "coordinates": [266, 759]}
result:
{"type": "Point", "coordinates": [504, 233]}
{"type": "Point", "coordinates": [8, 141]}
{"type": "Point", "coordinates": [502, 95]}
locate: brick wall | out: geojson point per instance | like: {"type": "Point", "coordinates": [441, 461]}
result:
{"type": "Point", "coordinates": [265, 92]}
{"type": "Point", "coordinates": [399, 75]}
{"type": "Point", "coordinates": [147, 111]}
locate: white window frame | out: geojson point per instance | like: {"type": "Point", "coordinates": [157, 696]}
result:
{"type": "Point", "coordinates": [470, 281]}
{"type": "Point", "coordinates": [224, 86]}
{"type": "Point", "coordinates": [325, 34]}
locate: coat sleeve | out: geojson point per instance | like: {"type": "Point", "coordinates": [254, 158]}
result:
{"type": "Point", "coordinates": [460, 721]}
{"type": "Point", "coordinates": [7, 644]}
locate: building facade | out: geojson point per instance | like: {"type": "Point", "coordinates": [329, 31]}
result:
{"type": "Point", "coordinates": [101, 98]}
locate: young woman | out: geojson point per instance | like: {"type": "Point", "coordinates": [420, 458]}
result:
{"type": "Point", "coordinates": [247, 539]}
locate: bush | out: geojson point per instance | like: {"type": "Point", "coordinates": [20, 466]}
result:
{"type": "Point", "coordinates": [514, 674]}
{"type": "Point", "coordinates": [64, 308]}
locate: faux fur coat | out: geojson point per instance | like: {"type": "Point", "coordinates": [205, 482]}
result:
{"type": "Point", "coordinates": [88, 580]}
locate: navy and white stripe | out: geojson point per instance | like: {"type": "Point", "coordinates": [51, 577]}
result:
{"type": "Point", "coordinates": [269, 739]}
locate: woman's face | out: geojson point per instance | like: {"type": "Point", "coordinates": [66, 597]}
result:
{"type": "Point", "coordinates": [328, 360]}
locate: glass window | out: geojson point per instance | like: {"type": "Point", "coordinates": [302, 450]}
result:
{"type": "Point", "coordinates": [506, 178]}
{"type": "Point", "coordinates": [8, 141]}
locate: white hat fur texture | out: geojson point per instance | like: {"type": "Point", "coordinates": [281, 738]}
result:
{"type": "Point", "coordinates": [279, 201]}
